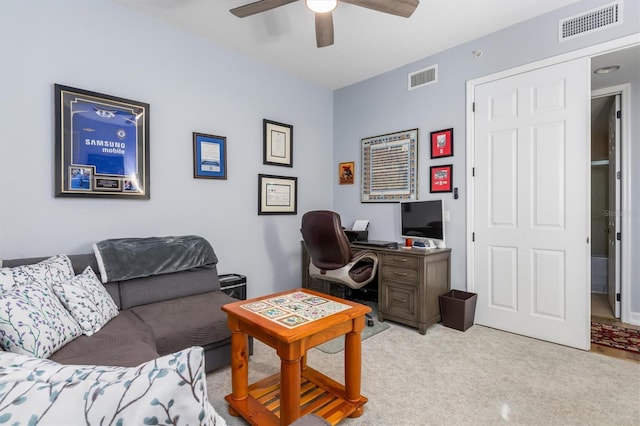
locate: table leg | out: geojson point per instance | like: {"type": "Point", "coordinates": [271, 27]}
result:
{"type": "Point", "coordinates": [352, 363]}
{"type": "Point", "coordinates": [239, 366]}
{"type": "Point", "coordinates": [290, 373]}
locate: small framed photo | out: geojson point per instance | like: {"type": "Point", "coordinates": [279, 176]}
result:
{"type": "Point", "coordinates": [277, 195]}
{"type": "Point", "coordinates": [80, 178]}
{"type": "Point", "coordinates": [278, 144]}
{"type": "Point", "coordinates": [441, 178]}
{"type": "Point", "coordinates": [442, 143]}
{"type": "Point", "coordinates": [346, 173]}
{"type": "Point", "coordinates": [209, 156]}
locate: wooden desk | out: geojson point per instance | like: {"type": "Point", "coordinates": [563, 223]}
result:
{"type": "Point", "coordinates": [277, 400]}
{"type": "Point", "coordinates": [409, 283]}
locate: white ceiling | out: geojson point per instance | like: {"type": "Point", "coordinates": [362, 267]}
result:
{"type": "Point", "coordinates": [367, 43]}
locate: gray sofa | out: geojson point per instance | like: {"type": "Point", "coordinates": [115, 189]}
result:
{"type": "Point", "coordinates": [158, 315]}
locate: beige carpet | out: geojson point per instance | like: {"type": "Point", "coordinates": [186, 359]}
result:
{"type": "Point", "coordinates": [336, 345]}
{"type": "Point", "coordinates": [479, 377]}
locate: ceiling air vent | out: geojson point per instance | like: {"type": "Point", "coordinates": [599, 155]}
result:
{"type": "Point", "coordinates": [592, 20]}
{"type": "Point", "coordinates": [423, 77]}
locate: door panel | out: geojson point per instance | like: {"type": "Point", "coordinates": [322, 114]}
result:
{"type": "Point", "coordinates": [548, 146]}
{"type": "Point", "coordinates": [548, 283]}
{"type": "Point", "coordinates": [503, 279]}
{"type": "Point", "coordinates": [503, 169]}
{"type": "Point", "coordinates": [531, 204]}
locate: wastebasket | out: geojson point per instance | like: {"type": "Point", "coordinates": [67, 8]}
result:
{"type": "Point", "coordinates": [457, 309]}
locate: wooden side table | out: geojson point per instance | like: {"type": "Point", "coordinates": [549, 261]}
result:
{"type": "Point", "coordinates": [284, 322]}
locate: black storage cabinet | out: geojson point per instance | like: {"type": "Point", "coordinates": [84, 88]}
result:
{"type": "Point", "coordinates": [235, 285]}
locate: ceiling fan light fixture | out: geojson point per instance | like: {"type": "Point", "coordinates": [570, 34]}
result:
{"type": "Point", "coordinates": [321, 6]}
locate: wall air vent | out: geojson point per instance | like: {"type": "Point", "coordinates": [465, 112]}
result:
{"type": "Point", "coordinates": [423, 77]}
{"type": "Point", "coordinates": [592, 20]}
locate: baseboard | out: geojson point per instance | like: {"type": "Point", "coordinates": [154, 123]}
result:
{"type": "Point", "coordinates": [634, 318]}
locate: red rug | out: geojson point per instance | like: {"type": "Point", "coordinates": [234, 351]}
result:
{"type": "Point", "coordinates": [615, 337]}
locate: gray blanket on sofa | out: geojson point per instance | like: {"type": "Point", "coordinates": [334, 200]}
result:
{"type": "Point", "coordinates": [125, 258]}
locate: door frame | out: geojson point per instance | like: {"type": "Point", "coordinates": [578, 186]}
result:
{"type": "Point", "coordinates": [595, 50]}
{"type": "Point", "coordinates": [624, 90]}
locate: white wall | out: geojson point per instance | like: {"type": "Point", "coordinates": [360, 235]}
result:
{"type": "Point", "coordinates": [191, 85]}
{"type": "Point", "coordinates": [383, 104]}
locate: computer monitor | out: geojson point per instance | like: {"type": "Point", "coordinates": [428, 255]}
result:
{"type": "Point", "coordinates": [423, 221]}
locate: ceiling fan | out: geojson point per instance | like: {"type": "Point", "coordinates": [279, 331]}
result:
{"type": "Point", "coordinates": [323, 10]}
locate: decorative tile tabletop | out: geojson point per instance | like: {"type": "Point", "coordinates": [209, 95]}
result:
{"type": "Point", "coordinates": [294, 309]}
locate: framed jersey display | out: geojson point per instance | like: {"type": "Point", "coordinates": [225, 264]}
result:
{"type": "Point", "coordinates": [102, 145]}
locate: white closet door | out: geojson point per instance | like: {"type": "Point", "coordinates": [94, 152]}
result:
{"type": "Point", "coordinates": [531, 204]}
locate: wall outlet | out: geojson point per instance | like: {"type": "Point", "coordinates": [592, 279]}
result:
{"type": "Point", "coordinates": [447, 215]}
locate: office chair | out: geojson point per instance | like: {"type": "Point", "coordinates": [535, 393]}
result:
{"type": "Point", "coordinates": [331, 256]}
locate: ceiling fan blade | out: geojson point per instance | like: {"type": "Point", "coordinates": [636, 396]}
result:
{"type": "Point", "coordinates": [324, 29]}
{"type": "Point", "coordinates": [402, 8]}
{"type": "Point", "coordinates": [258, 6]}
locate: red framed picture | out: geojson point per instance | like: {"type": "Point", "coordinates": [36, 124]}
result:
{"type": "Point", "coordinates": [442, 143]}
{"type": "Point", "coordinates": [441, 178]}
{"type": "Point", "coordinates": [346, 173]}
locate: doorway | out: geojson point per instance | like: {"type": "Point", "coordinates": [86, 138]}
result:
{"type": "Point", "coordinates": [619, 72]}
{"type": "Point", "coordinates": [605, 206]}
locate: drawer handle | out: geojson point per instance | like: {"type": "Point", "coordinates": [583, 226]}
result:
{"type": "Point", "coordinates": [400, 274]}
{"type": "Point", "coordinates": [401, 300]}
{"type": "Point", "coordinates": [403, 260]}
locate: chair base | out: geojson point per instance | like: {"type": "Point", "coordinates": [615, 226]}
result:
{"type": "Point", "coordinates": [342, 293]}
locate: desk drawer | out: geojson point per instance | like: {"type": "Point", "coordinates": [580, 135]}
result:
{"type": "Point", "coordinates": [401, 301]}
{"type": "Point", "coordinates": [400, 260]}
{"type": "Point", "coordinates": [398, 273]}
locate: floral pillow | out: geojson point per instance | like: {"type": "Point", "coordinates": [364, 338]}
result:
{"type": "Point", "coordinates": [52, 270]}
{"type": "Point", "coordinates": [87, 300]}
{"type": "Point", "coordinates": [168, 390]}
{"type": "Point", "coordinates": [34, 322]}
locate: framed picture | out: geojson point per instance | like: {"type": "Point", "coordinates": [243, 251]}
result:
{"type": "Point", "coordinates": [441, 178]}
{"type": "Point", "coordinates": [277, 195]}
{"type": "Point", "coordinates": [278, 144]}
{"type": "Point", "coordinates": [102, 145]}
{"type": "Point", "coordinates": [209, 156]}
{"type": "Point", "coordinates": [346, 173]}
{"type": "Point", "coordinates": [442, 143]}
{"type": "Point", "coordinates": [389, 167]}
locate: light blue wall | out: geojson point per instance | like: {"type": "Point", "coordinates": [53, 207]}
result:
{"type": "Point", "coordinates": [383, 104]}
{"type": "Point", "coordinates": [191, 85]}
